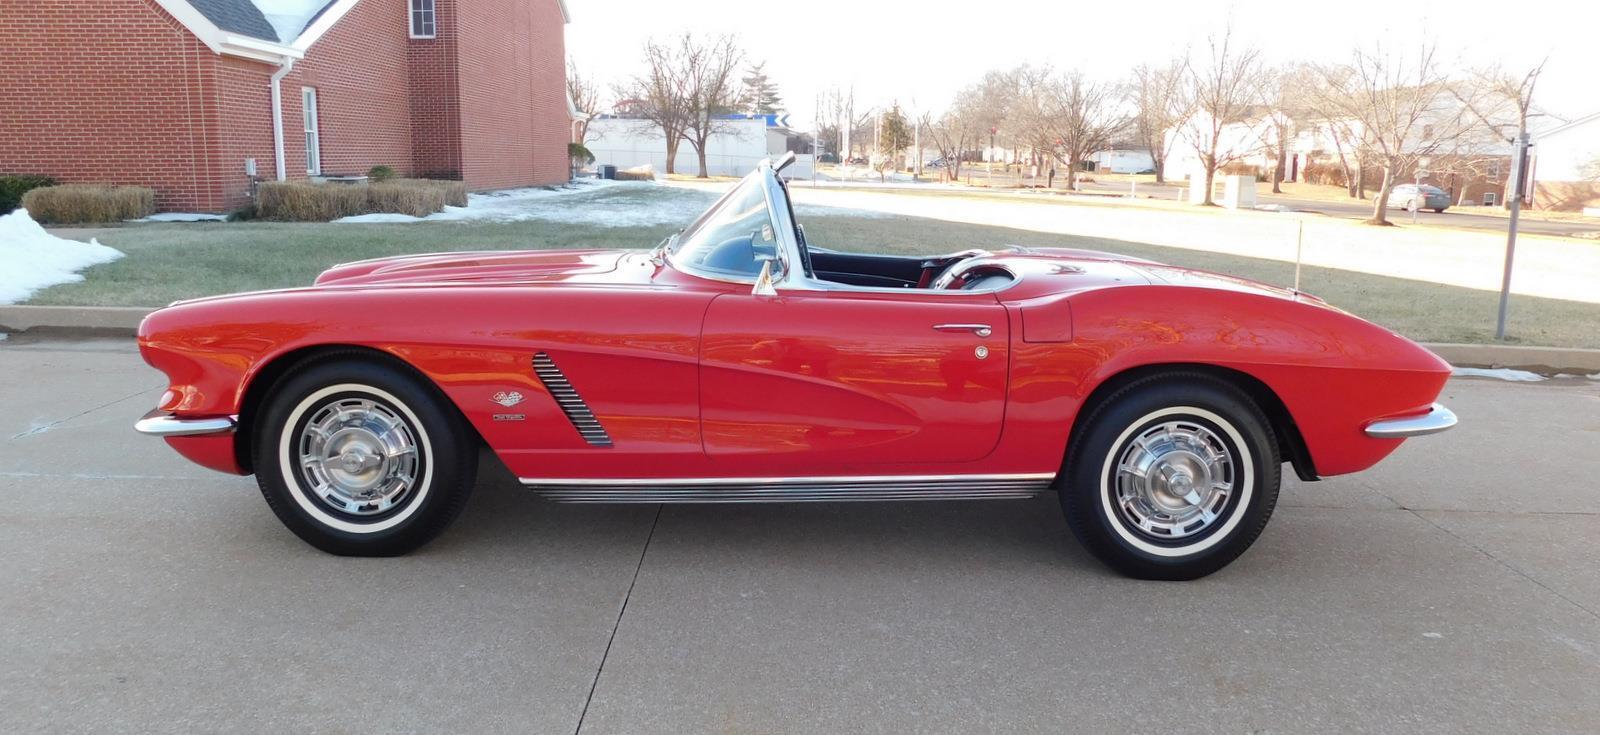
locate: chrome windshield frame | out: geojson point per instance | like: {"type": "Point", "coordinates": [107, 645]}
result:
{"type": "Point", "coordinates": [783, 229]}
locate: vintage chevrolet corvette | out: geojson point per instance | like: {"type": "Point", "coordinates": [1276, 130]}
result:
{"type": "Point", "coordinates": [736, 362]}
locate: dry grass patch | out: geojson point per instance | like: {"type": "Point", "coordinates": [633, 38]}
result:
{"type": "Point", "coordinates": [74, 204]}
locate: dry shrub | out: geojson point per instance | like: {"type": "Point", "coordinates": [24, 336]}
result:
{"type": "Point", "coordinates": [302, 201]}
{"type": "Point", "coordinates": [405, 197]}
{"type": "Point", "coordinates": [635, 176]}
{"type": "Point", "coordinates": [73, 204]}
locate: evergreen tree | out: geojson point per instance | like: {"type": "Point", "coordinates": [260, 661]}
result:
{"type": "Point", "coordinates": [760, 93]}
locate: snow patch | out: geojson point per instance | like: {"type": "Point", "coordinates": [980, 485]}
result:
{"type": "Point", "coordinates": [183, 217]}
{"type": "Point", "coordinates": [32, 259]}
{"type": "Point", "coordinates": [598, 203]}
{"type": "Point", "coordinates": [1517, 376]}
{"type": "Point", "coordinates": [289, 17]}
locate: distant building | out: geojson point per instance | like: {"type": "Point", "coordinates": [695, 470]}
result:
{"type": "Point", "coordinates": [1123, 160]}
{"type": "Point", "coordinates": [199, 99]}
{"type": "Point", "coordinates": [734, 150]}
{"type": "Point", "coordinates": [1566, 166]}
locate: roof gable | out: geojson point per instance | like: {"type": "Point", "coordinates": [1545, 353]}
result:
{"type": "Point", "coordinates": [237, 16]}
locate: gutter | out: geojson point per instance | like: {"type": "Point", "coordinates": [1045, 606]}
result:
{"type": "Point", "coordinates": [277, 115]}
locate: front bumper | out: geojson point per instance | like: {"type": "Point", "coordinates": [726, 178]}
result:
{"type": "Point", "coordinates": [161, 423]}
{"type": "Point", "coordinates": [1437, 419]}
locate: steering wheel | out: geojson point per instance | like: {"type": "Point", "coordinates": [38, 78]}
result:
{"type": "Point", "coordinates": [934, 269]}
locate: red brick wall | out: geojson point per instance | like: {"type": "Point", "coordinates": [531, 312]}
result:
{"type": "Point", "coordinates": [116, 91]}
{"type": "Point", "coordinates": [361, 73]}
{"type": "Point", "coordinates": [512, 78]}
{"type": "Point", "coordinates": [435, 98]}
{"type": "Point", "coordinates": [362, 77]}
{"type": "Point", "coordinates": [108, 91]}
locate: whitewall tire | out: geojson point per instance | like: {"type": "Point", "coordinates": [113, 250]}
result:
{"type": "Point", "coordinates": [1171, 477]}
{"type": "Point", "coordinates": [360, 457]}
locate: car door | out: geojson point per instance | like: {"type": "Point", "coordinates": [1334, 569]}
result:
{"type": "Point", "coordinates": [827, 382]}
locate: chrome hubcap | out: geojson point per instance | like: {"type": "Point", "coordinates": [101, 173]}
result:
{"type": "Point", "coordinates": [358, 456]}
{"type": "Point", "coordinates": [1174, 480]}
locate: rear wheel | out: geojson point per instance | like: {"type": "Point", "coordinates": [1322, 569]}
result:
{"type": "Point", "coordinates": [1172, 477]}
{"type": "Point", "coordinates": [1438, 210]}
{"type": "Point", "coordinates": [358, 458]}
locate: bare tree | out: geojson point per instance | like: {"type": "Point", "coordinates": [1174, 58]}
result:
{"type": "Point", "coordinates": [1401, 104]}
{"type": "Point", "coordinates": [710, 87]}
{"type": "Point", "coordinates": [1500, 100]}
{"type": "Point", "coordinates": [1084, 118]}
{"type": "Point", "coordinates": [960, 128]}
{"type": "Point", "coordinates": [1219, 92]}
{"type": "Point", "coordinates": [660, 95]}
{"type": "Point", "coordinates": [1155, 95]}
{"type": "Point", "coordinates": [585, 96]}
{"type": "Point", "coordinates": [1284, 90]}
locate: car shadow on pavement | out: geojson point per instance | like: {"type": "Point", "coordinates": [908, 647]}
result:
{"type": "Point", "coordinates": [501, 512]}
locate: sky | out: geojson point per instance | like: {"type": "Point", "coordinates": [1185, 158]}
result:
{"type": "Point", "coordinates": [921, 53]}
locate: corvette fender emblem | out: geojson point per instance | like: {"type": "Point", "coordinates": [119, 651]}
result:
{"type": "Point", "coordinates": [508, 398]}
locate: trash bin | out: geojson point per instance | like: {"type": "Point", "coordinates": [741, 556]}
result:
{"type": "Point", "coordinates": [608, 171]}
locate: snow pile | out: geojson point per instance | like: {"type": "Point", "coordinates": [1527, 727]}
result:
{"type": "Point", "coordinates": [1516, 376]}
{"type": "Point", "coordinates": [289, 17]}
{"type": "Point", "coordinates": [32, 259]}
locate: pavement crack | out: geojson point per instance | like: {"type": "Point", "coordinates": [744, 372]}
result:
{"type": "Point", "coordinates": [1506, 564]}
{"type": "Point", "coordinates": [46, 427]}
{"type": "Point", "coordinates": [618, 622]}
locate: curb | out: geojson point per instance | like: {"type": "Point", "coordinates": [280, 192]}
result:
{"type": "Point", "coordinates": [123, 321]}
{"type": "Point", "coordinates": [1536, 359]}
{"type": "Point", "coordinates": [102, 320]}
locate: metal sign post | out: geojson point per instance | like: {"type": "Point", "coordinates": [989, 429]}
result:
{"type": "Point", "coordinates": [1519, 170]}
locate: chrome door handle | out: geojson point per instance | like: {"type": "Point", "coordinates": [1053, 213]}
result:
{"type": "Point", "coordinates": [982, 330]}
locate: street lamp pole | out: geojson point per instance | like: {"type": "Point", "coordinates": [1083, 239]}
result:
{"type": "Point", "coordinates": [1519, 173]}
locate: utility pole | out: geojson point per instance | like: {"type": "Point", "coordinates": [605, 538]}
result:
{"type": "Point", "coordinates": [1519, 175]}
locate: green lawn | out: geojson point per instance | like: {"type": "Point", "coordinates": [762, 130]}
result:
{"type": "Point", "coordinates": [166, 262]}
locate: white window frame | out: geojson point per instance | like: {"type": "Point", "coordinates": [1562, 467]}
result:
{"type": "Point", "coordinates": [308, 113]}
{"type": "Point", "coordinates": [422, 21]}
{"type": "Point", "coordinates": [1491, 199]}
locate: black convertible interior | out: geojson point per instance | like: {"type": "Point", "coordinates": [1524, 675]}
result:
{"type": "Point", "coordinates": [900, 271]}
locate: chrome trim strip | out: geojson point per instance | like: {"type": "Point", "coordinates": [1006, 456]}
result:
{"type": "Point", "coordinates": [1045, 477]}
{"type": "Point", "coordinates": [1437, 419]}
{"type": "Point", "coordinates": [159, 423]}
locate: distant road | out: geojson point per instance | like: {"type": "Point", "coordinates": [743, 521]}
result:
{"type": "Point", "coordinates": [1363, 209]}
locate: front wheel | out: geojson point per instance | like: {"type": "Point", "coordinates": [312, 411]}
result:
{"type": "Point", "coordinates": [1172, 477]}
{"type": "Point", "coordinates": [360, 458]}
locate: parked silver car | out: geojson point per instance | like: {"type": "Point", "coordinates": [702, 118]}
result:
{"type": "Point", "coordinates": [1406, 197]}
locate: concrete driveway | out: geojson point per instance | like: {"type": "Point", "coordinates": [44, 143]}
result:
{"type": "Point", "coordinates": [1453, 589]}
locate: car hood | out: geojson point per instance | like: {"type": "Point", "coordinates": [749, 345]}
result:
{"type": "Point", "coordinates": [484, 267]}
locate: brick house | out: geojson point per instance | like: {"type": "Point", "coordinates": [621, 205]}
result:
{"type": "Point", "coordinates": [198, 99]}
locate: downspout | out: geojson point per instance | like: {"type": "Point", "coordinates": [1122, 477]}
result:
{"type": "Point", "coordinates": [277, 116]}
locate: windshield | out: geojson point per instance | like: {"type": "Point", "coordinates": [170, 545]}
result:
{"type": "Point", "coordinates": [733, 238]}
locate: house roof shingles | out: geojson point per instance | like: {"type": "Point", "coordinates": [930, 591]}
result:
{"type": "Point", "coordinates": [237, 16]}
{"type": "Point", "coordinates": [277, 21]}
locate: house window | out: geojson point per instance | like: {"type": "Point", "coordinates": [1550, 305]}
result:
{"type": "Point", "coordinates": [1490, 199]}
{"type": "Point", "coordinates": [423, 20]}
{"type": "Point", "coordinates": [308, 110]}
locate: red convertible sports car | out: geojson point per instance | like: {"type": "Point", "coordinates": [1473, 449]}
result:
{"type": "Point", "coordinates": [737, 362]}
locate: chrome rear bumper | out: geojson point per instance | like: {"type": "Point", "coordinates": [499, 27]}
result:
{"type": "Point", "coordinates": [160, 423]}
{"type": "Point", "coordinates": [1437, 419]}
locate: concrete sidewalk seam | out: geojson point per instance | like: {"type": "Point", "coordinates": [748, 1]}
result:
{"type": "Point", "coordinates": [615, 625]}
{"type": "Point", "coordinates": [1504, 563]}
